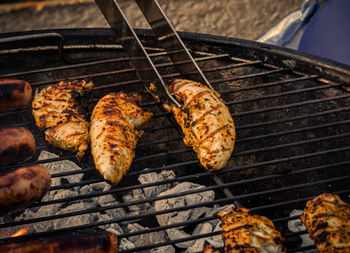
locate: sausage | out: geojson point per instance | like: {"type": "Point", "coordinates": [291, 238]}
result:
{"type": "Point", "coordinates": [21, 187]}
{"type": "Point", "coordinates": [87, 241]}
{"type": "Point", "coordinates": [14, 94]}
{"type": "Point", "coordinates": [16, 144]}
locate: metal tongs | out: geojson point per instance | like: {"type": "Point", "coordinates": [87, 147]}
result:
{"type": "Point", "coordinates": [166, 35]}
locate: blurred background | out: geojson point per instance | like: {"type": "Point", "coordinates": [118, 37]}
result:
{"type": "Point", "coordinates": [246, 19]}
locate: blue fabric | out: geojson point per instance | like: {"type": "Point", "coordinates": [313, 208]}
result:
{"type": "Point", "coordinates": [328, 32]}
{"type": "Point", "coordinates": [288, 32]}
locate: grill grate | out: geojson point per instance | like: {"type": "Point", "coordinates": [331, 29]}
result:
{"type": "Point", "coordinates": [291, 115]}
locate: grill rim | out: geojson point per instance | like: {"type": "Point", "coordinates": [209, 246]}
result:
{"type": "Point", "coordinates": [276, 54]}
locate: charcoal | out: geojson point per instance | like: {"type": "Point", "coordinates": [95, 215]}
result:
{"type": "Point", "coordinates": [186, 215]}
{"type": "Point", "coordinates": [60, 166]}
{"type": "Point", "coordinates": [149, 239]}
{"type": "Point", "coordinates": [296, 225]}
{"type": "Point", "coordinates": [175, 234]}
{"type": "Point", "coordinates": [136, 194]}
{"type": "Point", "coordinates": [154, 177]}
{"type": "Point", "coordinates": [198, 244]}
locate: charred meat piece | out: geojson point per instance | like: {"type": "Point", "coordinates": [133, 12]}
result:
{"type": "Point", "coordinates": [327, 219]}
{"type": "Point", "coordinates": [205, 121]}
{"type": "Point", "coordinates": [88, 241]}
{"type": "Point", "coordinates": [247, 232]}
{"type": "Point", "coordinates": [209, 249]}
{"type": "Point", "coordinates": [57, 110]}
{"type": "Point", "coordinates": [21, 187]}
{"type": "Point", "coordinates": [113, 135]}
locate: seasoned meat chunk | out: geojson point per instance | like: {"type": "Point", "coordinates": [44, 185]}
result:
{"type": "Point", "coordinates": [113, 135]}
{"type": "Point", "coordinates": [57, 111]}
{"type": "Point", "coordinates": [205, 121]}
{"type": "Point", "coordinates": [247, 232]}
{"type": "Point", "coordinates": [327, 219]}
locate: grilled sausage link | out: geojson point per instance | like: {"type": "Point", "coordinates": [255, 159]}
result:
{"type": "Point", "coordinates": [327, 219]}
{"type": "Point", "coordinates": [14, 94]}
{"type": "Point", "coordinates": [113, 135]}
{"type": "Point", "coordinates": [205, 121]}
{"type": "Point", "coordinates": [87, 241]}
{"type": "Point", "coordinates": [16, 144]}
{"type": "Point", "coordinates": [20, 187]}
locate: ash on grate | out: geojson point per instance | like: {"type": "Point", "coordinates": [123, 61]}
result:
{"type": "Point", "coordinates": [149, 239]}
{"type": "Point", "coordinates": [296, 225]}
{"type": "Point", "coordinates": [148, 192]}
{"type": "Point", "coordinates": [175, 217]}
{"type": "Point", "coordinates": [65, 204]}
{"type": "Point", "coordinates": [60, 166]}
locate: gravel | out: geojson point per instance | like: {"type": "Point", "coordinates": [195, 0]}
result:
{"type": "Point", "coordinates": [246, 19]}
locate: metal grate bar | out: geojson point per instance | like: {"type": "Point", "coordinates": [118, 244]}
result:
{"type": "Point", "coordinates": [181, 179]}
{"type": "Point", "coordinates": [266, 123]}
{"type": "Point", "coordinates": [288, 106]}
{"type": "Point", "coordinates": [174, 166]}
{"type": "Point", "coordinates": [307, 116]}
{"type": "Point", "coordinates": [156, 245]}
{"type": "Point", "coordinates": [178, 209]}
{"type": "Point", "coordinates": [245, 181]}
{"type": "Point", "coordinates": [269, 84]}
{"type": "Point", "coordinates": [241, 140]}
{"type": "Point", "coordinates": [260, 74]}
{"type": "Point", "coordinates": [244, 127]}
{"type": "Point", "coordinates": [292, 144]}
{"type": "Point", "coordinates": [282, 94]}
{"type": "Point", "coordinates": [220, 201]}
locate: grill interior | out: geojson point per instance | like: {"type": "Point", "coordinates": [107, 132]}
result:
{"type": "Point", "coordinates": [291, 114]}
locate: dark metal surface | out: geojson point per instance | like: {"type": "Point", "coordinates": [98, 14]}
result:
{"type": "Point", "coordinates": [291, 115]}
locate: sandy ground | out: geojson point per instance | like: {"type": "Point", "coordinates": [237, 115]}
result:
{"type": "Point", "coordinates": [247, 19]}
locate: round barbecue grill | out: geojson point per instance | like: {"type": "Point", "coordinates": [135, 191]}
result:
{"type": "Point", "coordinates": [291, 112]}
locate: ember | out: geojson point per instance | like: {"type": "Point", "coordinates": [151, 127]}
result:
{"type": "Point", "coordinates": [20, 232]}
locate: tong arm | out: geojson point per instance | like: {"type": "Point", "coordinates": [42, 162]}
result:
{"type": "Point", "coordinates": [145, 69]}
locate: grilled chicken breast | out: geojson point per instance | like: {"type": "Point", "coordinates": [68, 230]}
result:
{"type": "Point", "coordinates": [247, 232]}
{"type": "Point", "coordinates": [113, 135]}
{"type": "Point", "coordinates": [327, 219]}
{"type": "Point", "coordinates": [56, 109]}
{"type": "Point", "coordinates": [205, 121]}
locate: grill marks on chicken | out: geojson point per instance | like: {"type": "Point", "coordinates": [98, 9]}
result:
{"type": "Point", "coordinates": [247, 232]}
{"type": "Point", "coordinates": [113, 135]}
{"type": "Point", "coordinates": [205, 121]}
{"type": "Point", "coordinates": [327, 219]}
{"type": "Point", "coordinates": [57, 110]}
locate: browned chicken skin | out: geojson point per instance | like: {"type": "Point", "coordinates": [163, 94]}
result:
{"type": "Point", "coordinates": [208, 249]}
{"type": "Point", "coordinates": [247, 232]}
{"type": "Point", "coordinates": [56, 110]}
{"type": "Point", "coordinates": [205, 121]}
{"type": "Point", "coordinates": [327, 219]}
{"type": "Point", "coordinates": [113, 135]}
